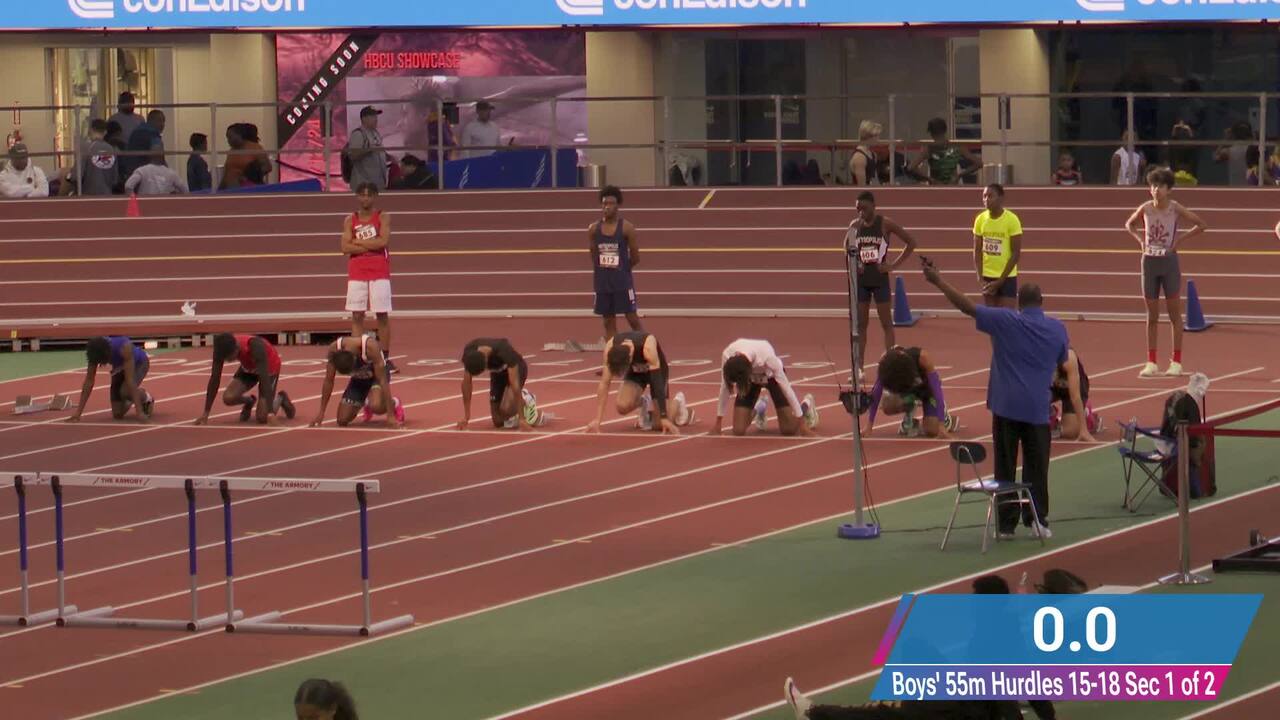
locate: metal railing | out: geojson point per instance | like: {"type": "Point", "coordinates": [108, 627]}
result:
{"type": "Point", "coordinates": [566, 120]}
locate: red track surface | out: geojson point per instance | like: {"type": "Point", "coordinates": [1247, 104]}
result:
{"type": "Point", "coordinates": [541, 489]}
{"type": "Point", "coordinates": [748, 251]}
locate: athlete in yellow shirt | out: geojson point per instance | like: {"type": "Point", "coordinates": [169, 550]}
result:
{"type": "Point", "coordinates": [997, 246]}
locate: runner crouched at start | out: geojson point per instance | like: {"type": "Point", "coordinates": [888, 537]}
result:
{"type": "Point", "coordinates": [908, 378]}
{"type": "Point", "coordinates": [638, 359]}
{"type": "Point", "coordinates": [369, 389]}
{"type": "Point", "coordinates": [750, 366]}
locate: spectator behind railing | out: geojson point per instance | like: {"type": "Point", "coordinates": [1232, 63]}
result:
{"type": "Point", "coordinates": [944, 162]}
{"type": "Point", "coordinates": [1127, 166]}
{"type": "Point", "coordinates": [481, 132]}
{"type": "Point", "coordinates": [437, 125]}
{"type": "Point", "coordinates": [324, 700]}
{"type": "Point", "coordinates": [364, 147]}
{"type": "Point", "coordinates": [142, 141]}
{"type": "Point", "coordinates": [1234, 155]}
{"type": "Point", "coordinates": [126, 118]}
{"type": "Point", "coordinates": [1067, 173]}
{"type": "Point", "coordinates": [198, 177]}
{"type": "Point", "coordinates": [156, 178]}
{"type": "Point", "coordinates": [864, 166]}
{"type": "Point", "coordinates": [21, 178]}
{"type": "Point", "coordinates": [99, 168]}
{"type": "Point", "coordinates": [414, 175]}
{"type": "Point", "coordinates": [248, 163]}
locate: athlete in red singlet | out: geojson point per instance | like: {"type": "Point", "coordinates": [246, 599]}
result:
{"type": "Point", "coordinates": [365, 234]}
{"type": "Point", "coordinates": [259, 365]}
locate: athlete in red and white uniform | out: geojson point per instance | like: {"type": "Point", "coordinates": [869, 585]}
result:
{"type": "Point", "coordinates": [259, 365]}
{"type": "Point", "coordinates": [365, 235]}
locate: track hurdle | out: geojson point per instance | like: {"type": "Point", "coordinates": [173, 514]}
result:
{"type": "Point", "coordinates": [26, 618]}
{"type": "Point", "coordinates": [232, 619]}
{"type": "Point", "coordinates": [269, 622]}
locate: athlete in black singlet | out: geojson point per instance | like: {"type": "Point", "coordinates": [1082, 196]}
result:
{"type": "Point", "coordinates": [638, 359]}
{"type": "Point", "coordinates": [867, 246]}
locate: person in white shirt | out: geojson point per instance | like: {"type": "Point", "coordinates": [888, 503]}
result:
{"type": "Point", "coordinates": [481, 132]}
{"type": "Point", "coordinates": [156, 178]}
{"type": "Point", "coordinates": [749, 367]}
{"type": "Point", "coordinates": [20, 178]}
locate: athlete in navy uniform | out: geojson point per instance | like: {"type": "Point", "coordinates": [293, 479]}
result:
{"type": "Point", "coordinates": [614, 254]}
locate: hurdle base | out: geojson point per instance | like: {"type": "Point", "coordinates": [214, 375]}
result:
{"type": "Point", "coordinates": [35, 618]}
{"type": "Point", "coordinates": [906, 323]}
{"type": "Point", "coordinates": [94, 613]}
{"type": "Point", "coordinates": [849, 531]}
{"type": "Point", "coordinates": [1198, 328]}
{"type": "Point", "coordinates": [277, 628]}
{"type": "Point", "coordinates": [1181, 578]}
{"type": "Point", "coordinates": [106, 621]}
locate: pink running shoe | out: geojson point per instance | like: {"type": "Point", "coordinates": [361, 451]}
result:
{"type": "Point", "coordinates": [367, 412]}
{"type": "Point", "coordinates": [399, 410]}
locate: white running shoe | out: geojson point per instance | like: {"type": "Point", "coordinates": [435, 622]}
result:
{"type": "Point", "coordinates": [1149, 370]}
{"type": "Point", "coordinates": [810, 409]}
{"type": "Point", "coordinates": [799, 703]}
{"type": "Point", "coordinates": [684, 413]}
{"type": "Point", "coordinates": [530, 407]}
{"type": "Point", "coordinates": [759, 417]}
{"type": "Point", "coordinates": [1175, 369]}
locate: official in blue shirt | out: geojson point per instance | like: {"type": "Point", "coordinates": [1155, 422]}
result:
{"type": "Point", "coordinates": [1026, 350]}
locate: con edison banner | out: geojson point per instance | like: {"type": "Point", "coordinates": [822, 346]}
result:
{"type": "Point", "coordinates": [1063, 647]}
{"type": "Point", "coordinates": [141, 14]}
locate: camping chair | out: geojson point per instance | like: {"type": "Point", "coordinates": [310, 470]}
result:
{"type": "Point", "coordinates": [994, 492]}
{"type": "Point", "coordinates": [1153, 463]}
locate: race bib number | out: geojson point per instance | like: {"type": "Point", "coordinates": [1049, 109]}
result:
{"type": "Point", "coordinates": [1157, 251]}
{"type": "Point", "coordinates": [869, 255]}
{"type": "Point", "coordinates": [609, 257]}
{"type": "Point", "coordinates": [366, 232]}
{"type": "Point", "coordinates": [992, 247]}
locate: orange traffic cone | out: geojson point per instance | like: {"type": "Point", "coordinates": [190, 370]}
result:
{"type": "Point", "coordinates": [133, 210]}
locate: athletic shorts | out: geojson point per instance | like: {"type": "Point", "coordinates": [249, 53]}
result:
{"type": "Point", "coordinates": [499, 381]}
{"type": "Point", "coordinates": [1161, 274]}
{"type": "Point", "coordinates": [615, 302]}
{"type": "Point", "coordinates": [928, 408]}
{"type": "Point", "coordinates": [250, 380]}
{"type": "Point", "coordinates": [749, 398]}
{"type": "Point", "coordinates": [1062, 395]}
{"type": "Point", "coordinates": [1009, 289]}
{"type": "Point", "coordinates": [878, 293]}
{"type": "Point", "coordinates": [369, 296]}
{"type": "Point", "coordinates": [357, 392]}
{"type": "Point", "coordinates": [117, 381]}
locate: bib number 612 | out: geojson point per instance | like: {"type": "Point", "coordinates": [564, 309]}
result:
{"type": "Point", "coordinates": [1052, 617]}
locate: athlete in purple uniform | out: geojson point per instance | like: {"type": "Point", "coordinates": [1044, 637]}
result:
{"type": "Point", "coordinates": [129, 364]}
{"type": "Point", "coordinates": [614, 253]}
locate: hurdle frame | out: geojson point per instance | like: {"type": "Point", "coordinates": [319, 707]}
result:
{"type": "Point", "coordinates": [26, 618]}
{"type": "Point", "coordinates": [105, 617]}
{"type": "Point", "coordinates": [268, 623]}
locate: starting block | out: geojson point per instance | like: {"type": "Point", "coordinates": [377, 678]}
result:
{"type": "Point", "coordinates": [24, 405]}
{"type": "Point", "coordinates": [573, 346]}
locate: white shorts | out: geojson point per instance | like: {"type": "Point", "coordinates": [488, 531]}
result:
{"type": "Point", "coordinates": [369, 296]}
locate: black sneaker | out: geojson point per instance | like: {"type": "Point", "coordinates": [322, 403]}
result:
{"type": "Point", "coordinates": [286, 404]}
{"type": "Point", "coordinates": [246, 410]}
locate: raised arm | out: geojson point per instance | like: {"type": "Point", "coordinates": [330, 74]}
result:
{"type": "Point", "coordinates": [954, 296]}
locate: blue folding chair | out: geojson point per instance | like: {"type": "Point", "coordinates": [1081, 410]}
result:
{"type": "Point", "coordinates": [994, 493]}
{"type": "Point", "coordinates": [1153, 463]}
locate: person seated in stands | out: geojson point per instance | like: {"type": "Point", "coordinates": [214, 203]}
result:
{"type": "Point", "coordinates": [414, 175]}
{"type": "Point", "coordinates": [944, 162]}
{"type": "Point", "coordinates": [156, 178]}
{"type": "Point", "coordinates": [247, 164]}
{"type": "Point", "coordinates": [1067, 173]}
{"type": "Point", "coordinates": [21, 178]}
{"type": "Point", "coordinates": [198, 176]}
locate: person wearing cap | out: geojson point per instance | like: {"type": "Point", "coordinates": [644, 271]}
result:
{"type": "Point", "coordinates": [156, 178]}
{"type": "Point", "coordinates": [414, 175]}
{"type": "Point", "coordinates": [20, 178]}
{"type": "Point", "coordinates": [481, 133]}
{"type": "Point", "coordinates": [126, 117]}
{"type": "Point", "coordinates": [368, 158]}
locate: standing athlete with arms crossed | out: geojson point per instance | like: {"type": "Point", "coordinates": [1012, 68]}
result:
{"type": "Point", "coordinates": [611, 241]}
